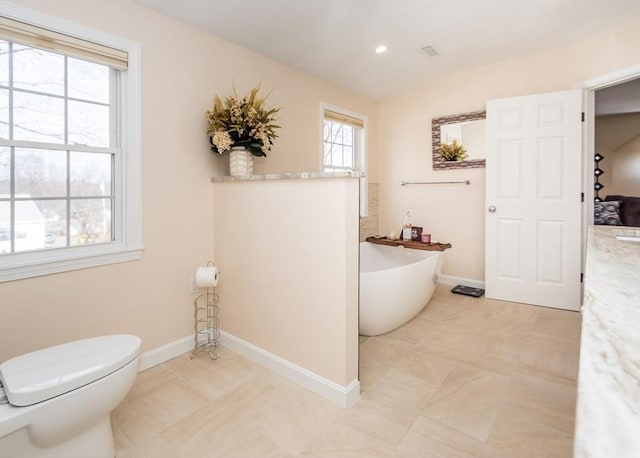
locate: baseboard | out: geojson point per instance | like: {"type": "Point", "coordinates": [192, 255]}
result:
{"type": "Point", "coordinates": [166, 352]}
{"type": "Point", "coordinates": [344, 396]}
{"type": "Point", "coordinates": [453, 281]}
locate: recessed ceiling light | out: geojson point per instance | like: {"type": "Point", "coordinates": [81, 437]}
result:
{"type": "Point", "coordinates": [380, 49]}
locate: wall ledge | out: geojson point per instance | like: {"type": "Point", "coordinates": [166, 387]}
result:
{"type": "Point", "coordinates": [344, 396]}
{"type": "Point", "coordinates": [289, 176]}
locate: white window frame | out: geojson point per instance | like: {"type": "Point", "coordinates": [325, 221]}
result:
{"type": "Point", "coordinates": [127, 243]}
{"type": "Point", "coordinates": [361, 160]}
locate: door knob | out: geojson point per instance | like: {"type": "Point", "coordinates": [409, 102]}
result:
{"type": "Point", "coordinates": [492, 209]}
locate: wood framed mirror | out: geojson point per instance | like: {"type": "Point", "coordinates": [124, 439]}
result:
{"type": "Point", "coordinates": [468, 129]}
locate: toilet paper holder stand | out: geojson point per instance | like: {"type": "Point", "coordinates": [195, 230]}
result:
{"type": "Point", "coordinates": [206, 334]}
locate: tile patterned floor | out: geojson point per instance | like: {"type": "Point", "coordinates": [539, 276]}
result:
{"type": "Point", "coordinates": [466, 378]}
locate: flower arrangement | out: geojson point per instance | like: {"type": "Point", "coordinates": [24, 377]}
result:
{"type": "Point", "coordinates": [242, 121]}
{"type": "Point", "coordinates": [453, 151]}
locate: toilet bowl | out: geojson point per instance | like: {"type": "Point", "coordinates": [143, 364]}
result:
{"type": "Point", "coordinates": [58, 400]}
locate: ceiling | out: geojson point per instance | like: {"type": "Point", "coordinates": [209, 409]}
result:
{"type": "Point", "coordinates": [621, 98]}
{"type": "Point", "coordinates": [335, 39]}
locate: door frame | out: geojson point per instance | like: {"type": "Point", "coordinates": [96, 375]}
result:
{"type": "Point", "coordinates": [589, 88]}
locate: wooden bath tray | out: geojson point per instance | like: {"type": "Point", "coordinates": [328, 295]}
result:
{"type": "Point", "coordinates": [409, 244]}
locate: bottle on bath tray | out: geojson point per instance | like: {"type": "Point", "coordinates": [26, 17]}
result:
{"type": "Point", "coordinates": [406, 227]}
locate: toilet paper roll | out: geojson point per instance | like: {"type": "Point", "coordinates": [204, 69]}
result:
{"type": "Point", "coordinates": [207, 277]}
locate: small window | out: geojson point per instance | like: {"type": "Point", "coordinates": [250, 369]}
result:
{"type": "Point", "coordinates": [343, 145]}
{"type": "Point", "coordinates": [63, 155]}
{"type": "Point", "coordinates": [342, 142]}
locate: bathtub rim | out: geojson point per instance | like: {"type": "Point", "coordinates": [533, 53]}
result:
{"type": "Point", "coordinates": [421, 255]}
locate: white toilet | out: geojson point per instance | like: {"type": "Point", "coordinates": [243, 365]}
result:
{"type": "Point", "coordinates": [56, 402]}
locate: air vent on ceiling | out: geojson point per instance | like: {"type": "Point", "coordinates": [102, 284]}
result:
{"type": "Point", "coordinates": [430, 51]}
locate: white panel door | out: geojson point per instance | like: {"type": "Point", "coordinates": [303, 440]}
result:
{"type": "Point", "coordinates": [533, 198]}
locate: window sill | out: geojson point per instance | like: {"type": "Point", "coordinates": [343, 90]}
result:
{"type": "Point", "coordinates": [34, 264]}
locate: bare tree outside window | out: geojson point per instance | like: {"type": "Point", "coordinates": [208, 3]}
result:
{"type": "Point", "coordinates": [57, 151]}
{"type": "Point", "coordinates": [340, 147]}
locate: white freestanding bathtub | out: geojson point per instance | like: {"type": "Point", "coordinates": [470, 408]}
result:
{"type": "Point", "coordinates": [396, 283]}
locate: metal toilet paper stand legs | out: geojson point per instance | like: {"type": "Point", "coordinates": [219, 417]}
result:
{"type": "Point", "coordinates": [205, 324]}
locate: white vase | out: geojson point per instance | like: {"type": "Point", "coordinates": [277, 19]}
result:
{"type": "Point", "coordinates": [240, 162]}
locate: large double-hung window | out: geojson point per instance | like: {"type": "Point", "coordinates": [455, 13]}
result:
{"type": "Point", "coordinates": [69, 153]}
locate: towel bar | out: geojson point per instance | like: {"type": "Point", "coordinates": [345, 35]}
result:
{"type": "Point", "coordinates": [404, 183]}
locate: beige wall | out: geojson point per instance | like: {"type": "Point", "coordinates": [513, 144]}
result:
{"type": "Point", "coordinates": [455, 213]}
{"type": "Point", "coordinates": [289, 270]}
{"type": "Point", "coordinates": [183, 68]}
{"type": "Point", "coordinates": [617, 138]}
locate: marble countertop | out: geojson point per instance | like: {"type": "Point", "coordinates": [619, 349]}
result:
{"type": "Point", "coordinates": [289, 176]}
{"type": "Point", "coordinates": [608, 404]}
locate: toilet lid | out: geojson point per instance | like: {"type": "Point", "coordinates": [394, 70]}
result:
{"type": "Point", "coordinates": [43, 374]}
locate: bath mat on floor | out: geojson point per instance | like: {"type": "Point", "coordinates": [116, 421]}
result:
{"type": "Point", "coordinates": [467, 291]}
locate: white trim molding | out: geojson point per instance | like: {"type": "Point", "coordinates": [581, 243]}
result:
{"type": "Point", "coordinates": [166, 352]}
{"type": "Point", "coordinates": [612, 78]}
{"type": "Point", "coordinates": [589, 88]}
{"type": "Point", "coordinates": [344, 396]}
{"type": "Point", "coordinates": [453, 281]}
